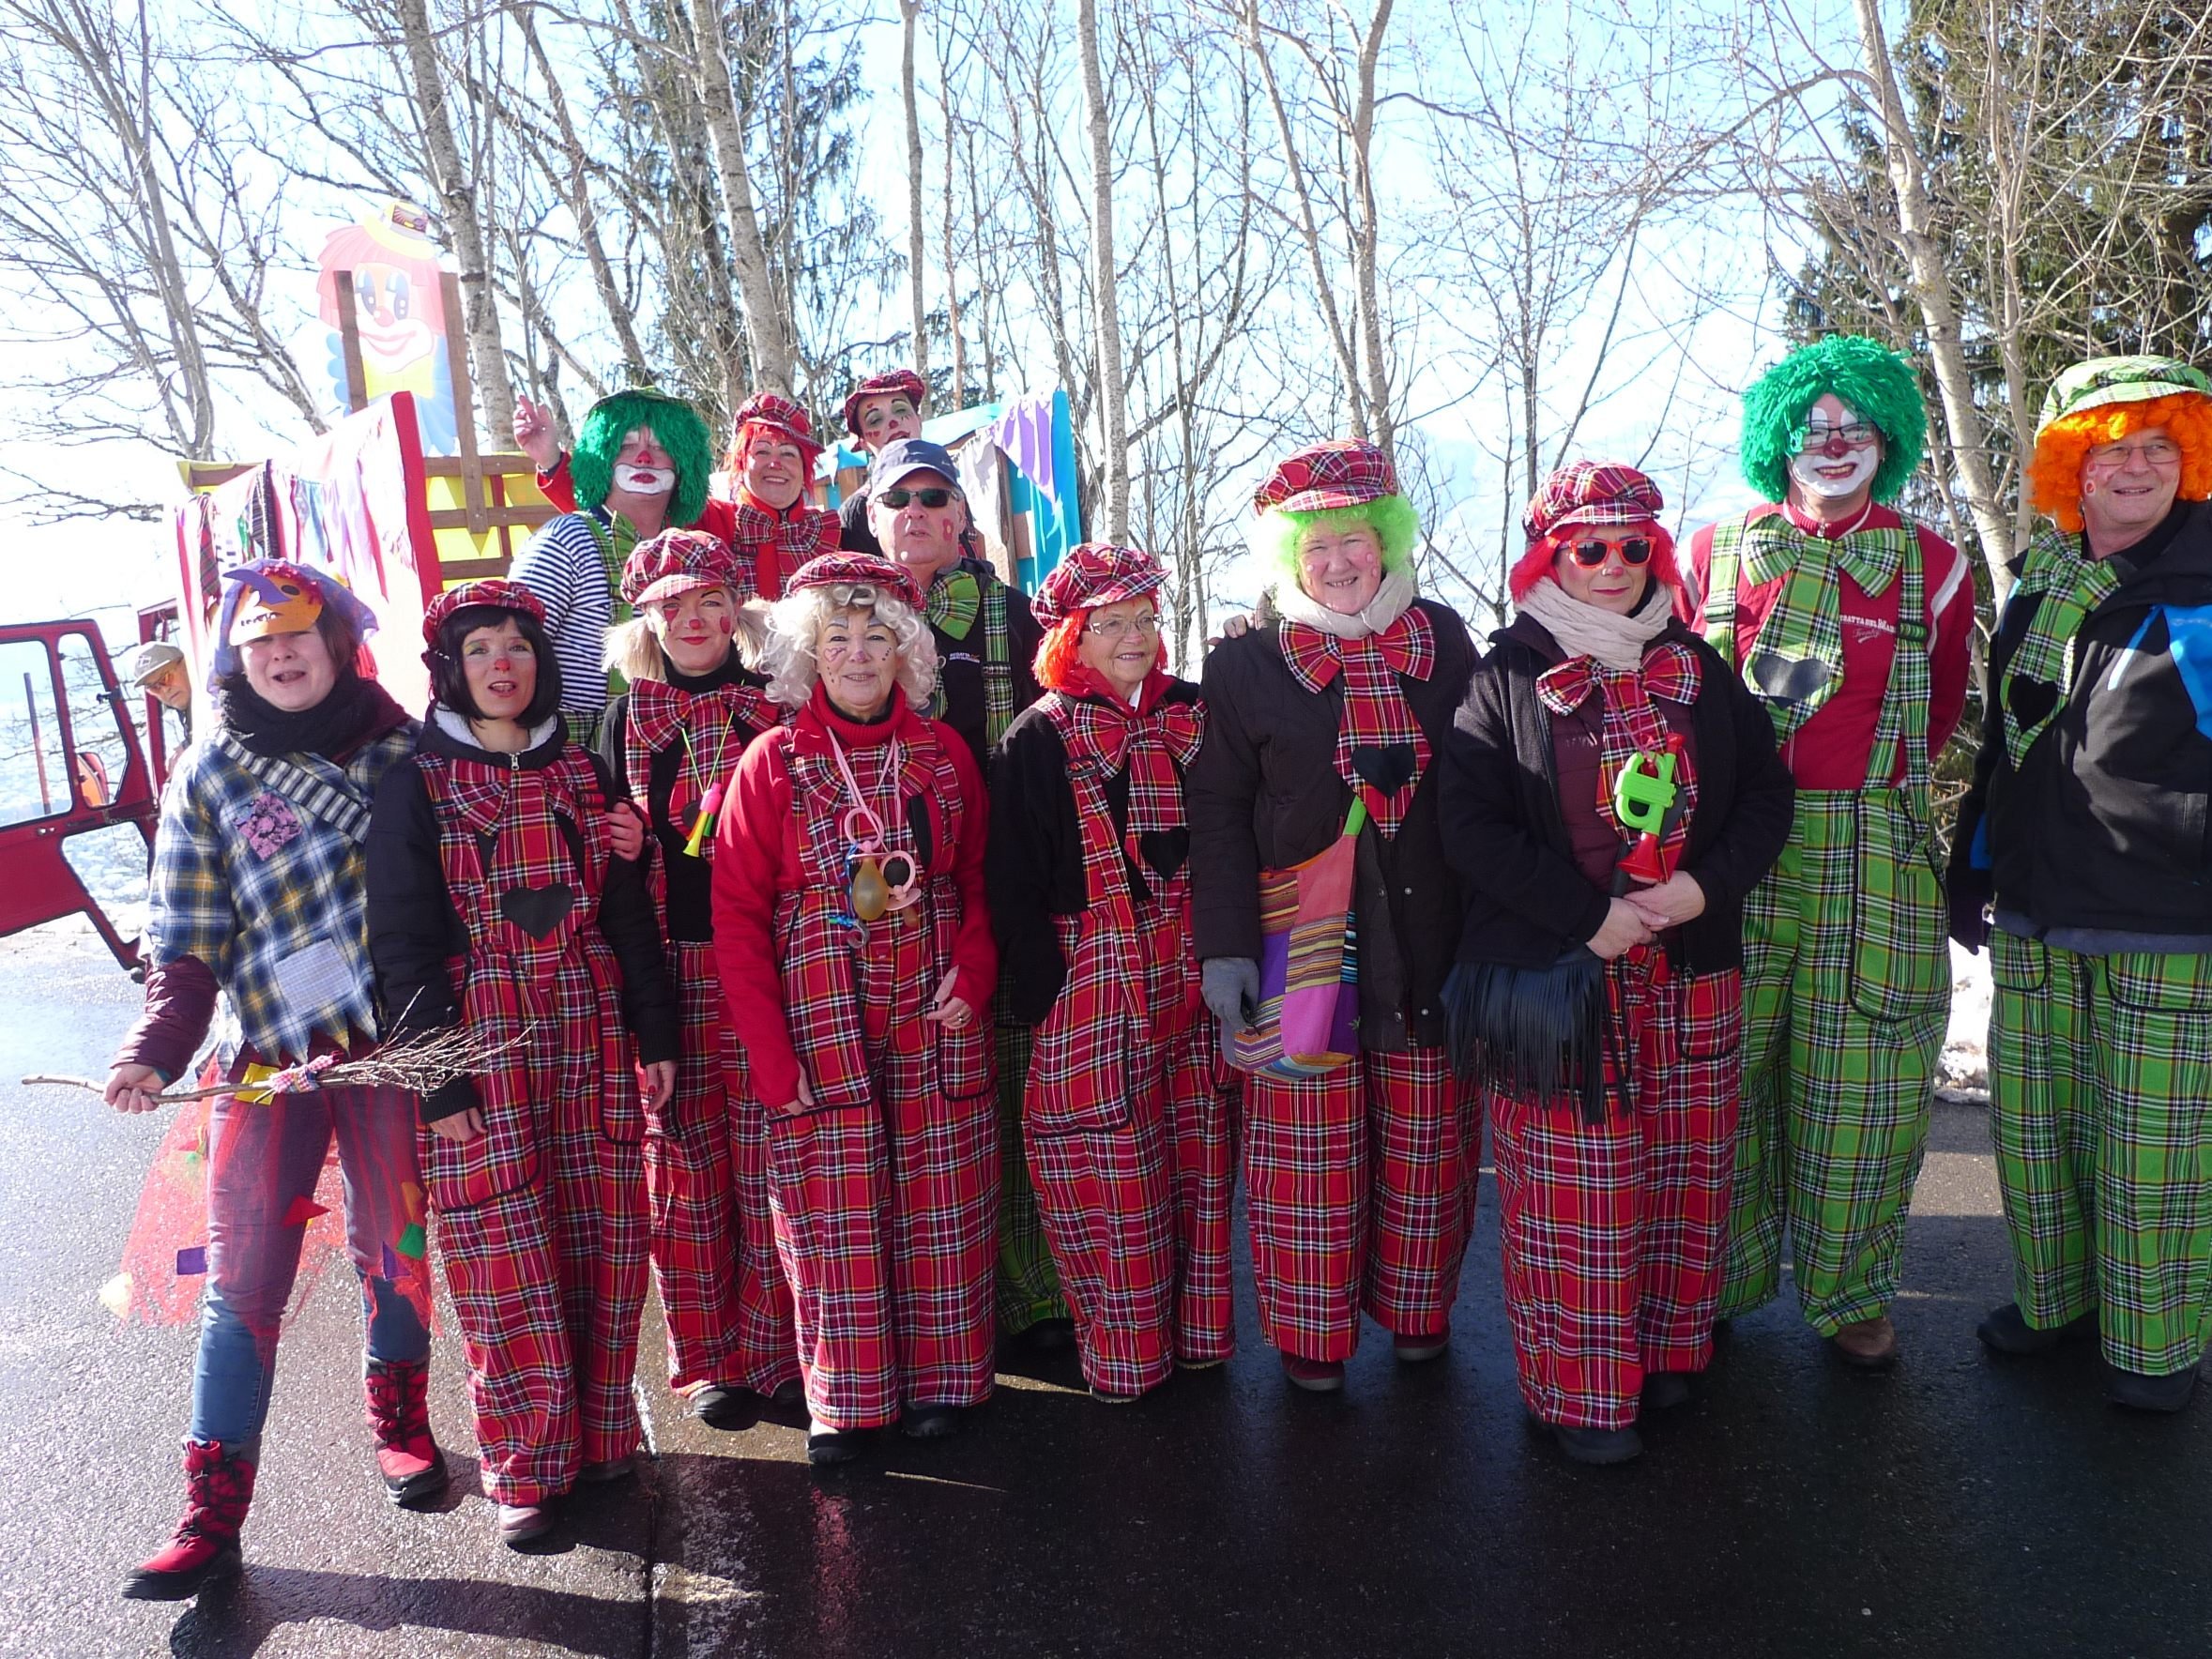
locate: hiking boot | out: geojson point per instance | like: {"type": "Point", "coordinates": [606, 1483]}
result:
{"type": "Point", "coordinates": [726, 1406]}
{"type": "Point", "coordinates": [1597, 1445]}
{"type": "Point", "coordinates": [2138, 1391]}
{"type": "Point", "coordinates": [218, 1488]}
{"type": "Point", "coordinates": [396, 1396]}
{"type": "Point", "coordinates": [1869, 1344]}
{"type": "Point", "coordinates": [518, 1524]}
{"type": "Point", "coordinates": [828, 1448]}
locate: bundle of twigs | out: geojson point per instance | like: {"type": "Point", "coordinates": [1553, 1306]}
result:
{"type": "Point", "coordinates": [421, 1062]}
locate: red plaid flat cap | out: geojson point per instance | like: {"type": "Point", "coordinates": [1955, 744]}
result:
{"type": "Point", "coordinates": [889, 383]}
{"type": "Point", "coordinates": [496, 591]}
{"type": "Point", "coordinates": [1096, 573]}
{"type": "Point", "coordinates": [1592, 493]}
{"type": "Point", "coordinates": [833, 569]}
{"type": "Point", "coordinates": [768, 409]}
{"type": "Point", "coordinates": [1345, 472]}
{"type": "Point", "coordinates": [677, 561]}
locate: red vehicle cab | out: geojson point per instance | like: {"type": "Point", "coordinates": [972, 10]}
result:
{"type": "Point", "coordinates": [77, 802]}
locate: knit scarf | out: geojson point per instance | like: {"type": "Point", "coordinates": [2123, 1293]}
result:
{"type": "Point", "coordinates": [354, 711]}
{"type": "Point", "coordinates": [1382, 752]}
{"type": "Point", "coordinates": [1584, 629]}
{"type": "Point", "coordinates": [1294, 605]}
{"type": "Point", "coordinates": [2064, 585]}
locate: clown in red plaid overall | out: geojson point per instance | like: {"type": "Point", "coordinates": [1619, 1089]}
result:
{"type": "Point", "coordinates": [706, 1153]}
{"type": "Point", "coordinates": [1360, 1185]}
{"type": "Point", "coordinates": [1129, 1111]}
{"type": "Point", "coordinates": [1612, 1229]}
{"type": "Point", "coordinates": [543, 1217]}
{"type": "Point", "coordinates": [883, 1178]}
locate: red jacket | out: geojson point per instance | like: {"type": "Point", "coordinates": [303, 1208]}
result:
{"type": "Point", "coordinates": [757, 861]}
{"type": "Point", "coordinates": [1830, 750]}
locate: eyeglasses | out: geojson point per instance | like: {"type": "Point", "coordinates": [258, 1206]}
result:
{"type": "Point", "coordinates": [1637, 550]}
{"type": "Point", "coordinates": [2158, 451]}
{"type": "Point", "coordinates": [1112, 628]}
{"type": "Point", "coordinates": [1858, 434]}
{"type": "Point", "coordinates": [933, 498]}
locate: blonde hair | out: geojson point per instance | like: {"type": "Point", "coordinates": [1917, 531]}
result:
{"type": "Point", "coordinates": [791, 657]}
{"type": "Point", "coordinates": [634, 647]}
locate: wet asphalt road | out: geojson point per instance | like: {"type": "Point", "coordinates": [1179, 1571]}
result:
{"type": "Point", "coordinates": [1955, 1507]}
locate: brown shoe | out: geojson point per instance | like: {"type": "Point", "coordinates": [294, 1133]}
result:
{"type": "Point", "coordinates": [1869, 1344]}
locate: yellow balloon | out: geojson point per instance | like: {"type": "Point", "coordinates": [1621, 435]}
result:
{"type": "Point", "coordinates": [871, 894]}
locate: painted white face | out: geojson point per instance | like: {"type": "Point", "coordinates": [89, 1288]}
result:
{"type": "Point", "coordinates": [642, 466]}
{"type": "Point", "coordinates": [1836, 469]}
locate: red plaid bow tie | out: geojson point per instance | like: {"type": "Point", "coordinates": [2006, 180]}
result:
{"type": "Point", "coordinates": [1379, 742]}
{"type": "Point", "coordinates": [1107, 735]}
{"type": "Point", "coordinates": [802, 533]}
{"type": "Point", "coordinates": [1669, 671]}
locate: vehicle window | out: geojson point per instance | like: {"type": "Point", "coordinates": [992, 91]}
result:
{"type": "Point", "coordinates": [34, 781]}
{"type": "Point", "coordinates": [96, 725]}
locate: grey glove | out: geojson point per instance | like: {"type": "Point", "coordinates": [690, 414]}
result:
{"type": "Point", "coordinates": [1231, 985]}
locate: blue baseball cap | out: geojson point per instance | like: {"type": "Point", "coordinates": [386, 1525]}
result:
{"type": "Point", "coordinates": [898, 459]}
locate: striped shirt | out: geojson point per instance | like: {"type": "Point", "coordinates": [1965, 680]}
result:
{"type": "Point", "coordinates": [564, 567]}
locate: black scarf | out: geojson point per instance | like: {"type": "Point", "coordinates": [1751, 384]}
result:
{"type": "Point", "coordinates": [355, 711]}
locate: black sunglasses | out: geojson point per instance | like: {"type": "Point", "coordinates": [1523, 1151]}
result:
{"type": "Point", "coordinates": [1637, 550]}
{"type": "Point", "coordinates": [932, 498]}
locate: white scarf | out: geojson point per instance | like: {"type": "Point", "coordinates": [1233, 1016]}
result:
{"type": "Point", "coordinates": [1612, 640]}
{"type": "Point", "coordinates": [1294, 605]}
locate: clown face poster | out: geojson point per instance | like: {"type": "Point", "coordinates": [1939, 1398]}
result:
{"type": "Point", "coordinates": [393, 267]}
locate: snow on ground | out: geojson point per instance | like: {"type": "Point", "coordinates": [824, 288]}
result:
{"type": "Point", "coordinates": [1965, 1063]}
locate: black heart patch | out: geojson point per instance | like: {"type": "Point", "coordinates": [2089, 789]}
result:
{"type": "Point", "coordinates": [538, 910]}
{"type": "Point", "coordinates": [1787, 679]}
{"type": "Point", "coordinates": [1388, 766]}
{"type": "Point", "coordinates": [2031, 700]}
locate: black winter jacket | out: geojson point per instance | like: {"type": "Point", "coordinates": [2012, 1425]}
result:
{"type": "Point", "coordinates": [1527, 903]}
{"type": "Point", "coordinates": [1264, 794]}
{"type": "Point", "coordinates": [2104, 823]}
{"type": "Point", "coordinates": [414, 928]}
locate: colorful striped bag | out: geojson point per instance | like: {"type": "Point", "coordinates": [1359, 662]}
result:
{"type": "Point", "coordinates": [1309, 997]}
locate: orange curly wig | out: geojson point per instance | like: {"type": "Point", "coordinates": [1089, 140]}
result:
{"type": "Point", "coordinates": [1060, 663]}
{"type": "Point", "coordinates": [2054, 475]}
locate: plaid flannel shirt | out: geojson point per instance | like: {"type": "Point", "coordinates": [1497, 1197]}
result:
{"type": "Point", "coordinates": [247, 881]}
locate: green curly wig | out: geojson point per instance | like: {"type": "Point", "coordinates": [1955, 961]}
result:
{"type": "Point", "coordinates": [672, 421]}
{"type": "Point", "coordinates": [1864, 373]}
{"type": "Point", "coordinates": [1274, 534]}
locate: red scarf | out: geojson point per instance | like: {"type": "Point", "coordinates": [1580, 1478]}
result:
{"type": "Point", "coordinates": [1380, 748]}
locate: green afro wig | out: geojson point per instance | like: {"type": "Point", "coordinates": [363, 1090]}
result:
{"type": "Point", "coordinates": [672, 421]}
{"type": "Point", "coordinates": [1274, 534]}
{"type": "Point", "coordinates": [1877, 383]}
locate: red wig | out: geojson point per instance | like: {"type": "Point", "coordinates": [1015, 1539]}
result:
{"type": "Point", "coordinates": [1536, 563]}
{"type": "Point", "coordinates": [1060, 663]}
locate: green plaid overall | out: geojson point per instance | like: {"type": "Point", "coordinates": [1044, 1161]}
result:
{"type": "Point", "coordinates": [2099, 1070]}
{"type": "Point", "coordinates": [1847, 984]}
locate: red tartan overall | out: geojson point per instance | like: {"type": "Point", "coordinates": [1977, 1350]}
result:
{"type": "Point", "coordinates": [885, 1195]}
{"type": "Point", "coordinates": [1612, 1234]}
{"type": "Point", "coordinates": [705, 1151]}
{"type": "Point", "coordinates": [1129, 1109]}
{"type": "Point", "coordinates": [1360, 1185]}
{"type": "Point", "coordinates": [542, 1218]}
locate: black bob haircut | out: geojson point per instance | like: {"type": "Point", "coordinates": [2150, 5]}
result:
{"type": "Point", "coordinates": [449, 685]}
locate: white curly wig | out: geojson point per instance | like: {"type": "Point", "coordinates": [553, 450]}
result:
{"type": "Point", "coordinates": [795, 625]}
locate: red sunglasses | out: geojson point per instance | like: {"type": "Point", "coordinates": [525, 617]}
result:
{"type": "Point", "coordinates": [1637, 550]}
